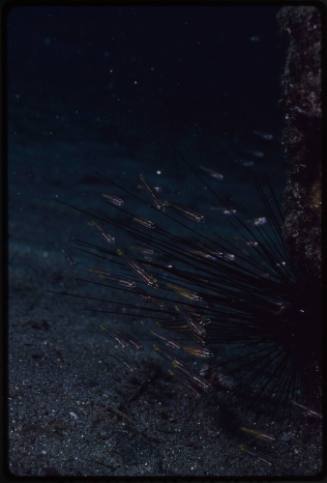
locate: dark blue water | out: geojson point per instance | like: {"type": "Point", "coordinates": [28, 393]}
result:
{"type": "Point", "coordinates": [116, 91]}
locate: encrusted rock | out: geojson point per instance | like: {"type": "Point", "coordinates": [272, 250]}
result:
{"type": "Point", "coordinates": [301, 102]}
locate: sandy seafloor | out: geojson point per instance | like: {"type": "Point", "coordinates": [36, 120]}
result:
{"type": "Point", "coordinates": [74, 409]}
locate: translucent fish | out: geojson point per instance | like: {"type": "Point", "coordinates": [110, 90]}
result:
{"type": "Point", "coordinates": [201, 320]}
{"type": "Point", "coordinates": [109, 238]}
{"type": "Point", "coordinates": [229, 256]}
{"type": "Point", "coordinates": [158, 203]}
{"type": "Point", "coordinates": [147, 251]}
{"type": "Point", "coordinates": [200, 352]}
{"type": "Point", "coordinates": [197, 329]}
{"type": "Point", "coordinates": [169, 343]}
{"type": "Point", "coordinates": [185, 292]}
{"type": "Point", "coordinates": [122, 344]}
{"type": "Point", "coordinates": [204, 370]}
{"type": "Point", "coordinates": [217, 254]}
{"type": "Point", "coordinates": [204, 385]}
{"type": "Point", "coordinates": [68, 257]}
{"type": "Point", "coordinates": [207, 255]}
{"type": "Point", "coordinates": [308, 411]}
{"type": "Point", "coordinates": [195, 326]}
{"type": "Point", "coordinates": [212, 173]}
{"type": "Point", "coordinates": [254, 38]}
{"type": "Point", "coordinates": [135, 343]}
{"type": "Point", "coordinates": [246, 163]}
{"type": "Point", "coordinates": [163, 354]}
{"type": "Point", "coordinates": [257, 434]}
{"type": "Point", "coordinates": [281, 264]}
{"type": "Point", "coordinates": [201, 383]}
{"type": "Point", "coordinates": [224, 380]}
{"type": "Point", "coordinates": [261, 220]}
{"type": "Point", "coordinates": [147, 254]}
{"type": "Point", "coordinates": [229, 212]}
{"type": "Point", "coordinates": [178, 364]}
{"type": "Point", "coordinates": [126, 283]}
{"type": "Point", "coordinates": [252, 243]}
{"type": "Point", "coordinates": [146, 223]}
{"type": "Point", "coordinates": [244, 448]}
{"type": "Point", "coordinates": [115, 200]}
{"type": "Point", "coordinates": [191, 215]}
{"type": "Point", "coordinates": [225, 255]}
{"type": "Point", "coordinates": [100, 273]}
{"type": "Point", "coordinates": [256, 154]}
{"type": "Point", "coordinates": [125, 340]}
{"type": "Point", "coordinates": [146, 277]}
{"type": "Point", "coordinates": [264, 135]}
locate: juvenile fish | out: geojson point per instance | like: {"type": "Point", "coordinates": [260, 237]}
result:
{"type": "Point", "coordinates": [115, 200]}
{"type": "Point", "coordinates": [191, 215]}
{"type": "Point", "coordinates": [256, 154]}
{"type": "Point", "coordinates": [198, 352]}
{"type": "Point", "coordinates": [200, 253]}
{"type": "Point", "coordinates": [109, 238]}
{"type": "Point", "coordinates": [261, 220]}
{"type": "Point", "coordinates": [264, 135]}
{"type": "Point", "coordinates": [146, 223]}
{"type": "Point", "coordinates": [168, 342]}
{"type": "Point", "coordinates": [308, 411]}
{"type": "Point", "coordinates": [212, 173]}
{"type": "Point", "coordinates": [184, 292]}
{"type": "Point", "coordinates": [158, 203]}
{"type": "Point", "coordinates": [257, 434]}
{"type": "Point", "coordinates": [146, 277]}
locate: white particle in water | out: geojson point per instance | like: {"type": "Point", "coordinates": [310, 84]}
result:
{"type": "Point", "coordinates": [159, 172]}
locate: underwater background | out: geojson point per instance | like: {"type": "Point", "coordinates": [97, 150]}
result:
{"type": "Point", "coordinates": [107, 93]}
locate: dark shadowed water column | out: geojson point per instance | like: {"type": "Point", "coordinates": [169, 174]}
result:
{"type": "Point", "coordinates": [301, 103]}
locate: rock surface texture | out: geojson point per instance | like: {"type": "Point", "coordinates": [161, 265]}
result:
{"type": "Point", "coordinates": [301, 103]}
